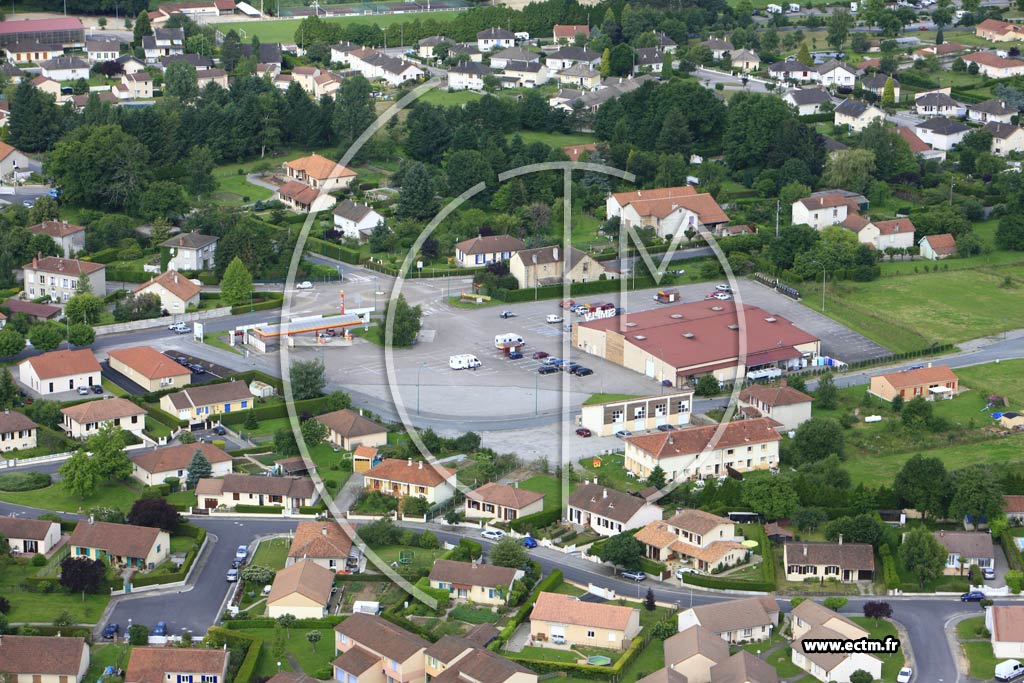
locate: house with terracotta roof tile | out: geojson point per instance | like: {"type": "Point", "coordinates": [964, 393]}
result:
{"type": "Point", "coordinates": [401, 478]}
{"type": "Point", "coordinates": [302, 589]}
{"type": "Point", "coordinates": [288, 493]}
{"type": "Point", "coordinates": [58, 371]}
{"type": "Point", "coordinates": [845, 563]}
{"type": "Point", "coordinates": [502, 503]}
{"type": "Point", "coordinates": [70, 238]}
{"type": "Point", "coordinates": [319, 173]}
{"type": "Point", "coordinates": [823, 209]}
{"type": "Point", "coordinates": [141, 547]}
{"type": "Point", "coordinates": [44, 659]}
{"type": "Point", "coordinates": [811, 621]}
{"type": "Point", "coordinates": [566, 33]}
{"type": "Point", "coordinates": [484, 584]}
{"type": "Point", "coordinates": [177, 293]}
{"type": "Point", "coordinates": [608, 511]}
{"type": "Point", "coordinates": [693, 453]}
{"type": "Point", "coordinates": [17, 431]}
{"type": "Point", "coordinates": [301, 198]}
{"type": "Point", "coordinates": [780, 402]}
{"type": "Point", "coordinates": [168, 664]}
{"type": "Point", "coordinates": [669, 210]}
{"type": "Point", "coordinates": [325, 543]}
{"type": "Point", "coordinates": [1013, 506]}
{"type": "Point", "coordinates": [455, 659]}
{"type": "Point", "coordinates": [30, 536]}
{"type": "Point", "coordinates": [929, 383]}
{"type": "Point", "coordinates": [564, 620]}
{"type": "Point", "coordinates": [735, 621]}
{"type": "Point", "coordinates": [638, 413]}
{"type": "Point", "coordinates": [694, 539]}
{"type": "Point", "coordinates": [897, 233]}
{"type": "Point", "coordinates": [85, 419]}
{"type": "Point", "coordinates": [373, 650]}
{"type": "Point", "coordinates": [478, 251]}
{"type": "Point", "coordinates": [998, 30]}
{"type": "Point", "coordinates": [200, 403]}
{"type": "Point", "coordinates": [994, 66]}
{"type": "Point", "coordinates": [1006, 624]}
{"type": "Point", "coordinates": [937, 247]}
{"type": "Point", "coordinates": [149, 368]}
{"type": "Point", "coordinates": [171, 462]}
{"type": "Point", "coordinates": [966, 548]}
{"type": "Point", "coordinates": [57, 277]}
{"type": "Point", "coordinates": [348, 428]}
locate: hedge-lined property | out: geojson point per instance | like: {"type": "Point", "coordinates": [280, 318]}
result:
{"type": "Point", "coordinates": [537, 520]}
{"type": "Point", "coordinates": [547, 584]}
{"type": "Point", "coordinates": [196, 532]}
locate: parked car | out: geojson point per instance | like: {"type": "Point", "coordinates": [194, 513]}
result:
{"type": "Point", "coordinates": [306, 284]}
{"type": "Point", "coordinates": [623, 433]}
{"type": "Point", "coordinates": [553, 318]}
{"type": "Point", "coordinates": [723, 288]}
{"type": "Point", "coordinates": [507, 314]}
{"type": "Point", "coordinates": [83, 391]}
{"type": "Point", "coordinates": [583, 431]}
{"type": "Point", "coordinates": [538, 355]}
{"type": "Point", "coordinates": [637, 576]}
{"type": "Point", "coordinates": [582, 372]}
{"type": "Point", "coordinates": [547, 370]}
{"type": "Point", "coordinates": [178, 328]}
{"type": "Point", "coordinates": [160, 629]}
{"type": "Point", "coordinates": [181, 360]}
{"type": "Point", "coordinates": [232, 575]}
{"type": "Point", "coordinates": [242, 553]}
{"type": "Point", "coordinates": [571, 366]}
{"type": "Point", "coordinates": [514, 355]}
{"type": "Point", "coordinates": [28, 203]}
{"type": "Point", "coordinates": [666, 428]}
{"type": "Point", "coordinates": [492, 534]}
{"type": "Point", "coordinates": [988, 572]}
{"type": "Point", "coordinates": [722, 296]}
{"type": "Point", "coordinates": [972, 596]}
{"type": "Point", "coordinates": [552, 360]}
{"type": "Point", "coordinates": [685, 570]}
{"type": "Point", "coordinates": [97, 388]}
{"type": "Point", "coordinates": [110, 631]}
{"type": "Point", "coordinates": [529, 543]}
{"type": "Point", "coordinates": [904, 675]}
{"type": "Point", "coordinates": [219, 430]}
{"type": "Point", "coordinates": [197, 368]}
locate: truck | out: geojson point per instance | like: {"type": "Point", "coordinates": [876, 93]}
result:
{"type": "Point", "coordinates": [1009, 670]}
{"type": "Point", "coordinates": [764, 373]}
{"type": "Point", "coordinates": [463, 361]}
{"type": "Point", "coordinates": [508, 340]}
{"type": "Point", "coordinates": [667, 296]}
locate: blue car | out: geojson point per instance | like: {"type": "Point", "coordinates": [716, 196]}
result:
{"type": "Point", "coordinates": [110, 631]}
{"type": "Point", "coordinates": [514, 355]}
{"type": "Point", "coordinates": [529, 543]}
{"type": "Point", "coordinates": [161, 628]}
{"type": "Point", "coordinates": [972, 596]}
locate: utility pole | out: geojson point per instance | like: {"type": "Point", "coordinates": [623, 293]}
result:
{"type": "Point", "coordinates": [778, 208]}
{"type": "Point", "coordinates": [822, 290]}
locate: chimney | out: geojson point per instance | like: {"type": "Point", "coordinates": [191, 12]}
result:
{"type": "Point", "coordinates": [782, 382]}
{"type": "Point", "coordinates": [323, 529]}
{"type": "Point", "coordinates": [822, 200]}
{"type": "Point", "coordinates": [410, 462]}
{"type": "Point", "coordinates": [840, 539]}
{"type": "Point", "coordinates": [604, 493]}
{"type": "Point", "coordinates": [516, 485]}
{"type": "Point", "coordinates": [555, 253]}
{"type": "Point", "coordinates": [175, 277]}
{"type": "Point", "coordinates": [35, 262]}
{"type": "Point", "coordinates": [92, 519]}
{"type": "Point", "coordinates": [421, 464]}
{"type": "Point", "coordinates": [805, 551]}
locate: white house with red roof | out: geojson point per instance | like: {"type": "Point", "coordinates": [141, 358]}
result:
{"type": "Point", "coordinates": [401, 478]}
{"type": "Point", "coordinates": [781, 402]}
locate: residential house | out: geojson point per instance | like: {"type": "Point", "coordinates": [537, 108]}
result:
{"type": "Point", "coordinates": [455, 659]}
{"type": "Point", "coordinates": [694, 539]}
{"type": "Point", "coordinates": [424, 48]}
{"type": "Point", "coordinates": [48, 86]}
{"type": "Point", "coordinates": [191, 251]}
{"type": "Point", "coordinates": [580, 76]}
{"type": "Point", "coordinates": [520, 74]}
{"type": "Point", "coordinates": [638, 413]}
{"type": "Point", "coordinates": [966, 548]}
{"type": "Point", "coordinates": [988, 111]}
{"type": "Point", "coordinates": [468, 76]}
{"type": "Point", "coordinates": [31, 51]}
{"type": "Point", "coordinates": [155, 467]}
{"type": "Point", "coordinates": [926, 382]}
{"type": "Point", "coordinates": [198, 404]}
{"type": "Point", "coordinates": [149, 368]}
{"type": "Point", "coordinates": [266, 53]}
{"type": "Point", "coordinates": [320, 173]}
{"type": "Point", "coordinates": [198, 62]}
{"type": "Point", "coordinates": [29, 537]}
{"type": "Point", "coordinates": [944, 50]}
{"type": "Point", "coordinates": [472, 52]}
{"type": "Point", "coordinates": [134, 86]}
{"type": "Point", "coordinates": [565, 57]}
{"type": "Point", "coordinates": [937, 103]}
{"type": "Point", "coordinates": [563, 619]}
{"type": "Point", "coordinates": [167, 664]}
{"type": "Point", "coordinates": [302, 589]}
{"type": "Point", "coordinates": [609, 89]}
{"type": "Point", "coordinates": [834, 72]}
{"type": "Point", "coordinates": [1006, 138]}
{"type": "Point", "coordinates": [898, 233]}
{"type": "Point", "coordinates": [139, 547]}
{"type": "Point", "coordinates": [502, 503]}
{"type": "Point", "coordinates": [875, 84]}
{"type": "Point", "coordinates": [692, 453]}
{"type": "Point", "coordinates": [807, 101]}
{"type": "Point", "coordinates": [648, 60]}
{"type": "Point", "coordinates": [356, 220]}
{"type": "Point", "coordinates": [483, 249]}
{"type": "Point", "coordinates": [44, 659]}
{"type": "Point", "coordinates": [481, 584]}
{"type": "Point", "coordinates": [326, 543]}
{"type": "Point", "coordinates": [811, 621]}
{"type": "Point", "coordinates": [857, 115]}
{"type": "Point", "coordinates": [288, 493]}
{"type": "Point", "coordinates": [1006, 626]}
{"type": "Point", "coordinates": [208, 76]}
{"type": "Point", "coordinates": [65, 68]}
{"type": "Point", "coordinates": [58, 371]}
{"type": "Point", "coordinates": [792, 71]}
{"type": "Point", "coordinates": [607, 511]}
{"type": "Point", "coordinates": [373, 650]}
{"type": "Point", "coordinates": [301, 198]}
{"type": "Point", "coordinates": [177, 293]}
{"type": "Point", "coordinates": [745, 60]}
{"type": "Point", "coordinates": [664, 42]}
{"type": "Point", "coordinates": [401, 478]}
{"type": "Point", "coordinates": [85, 419]}
{"type": "Point", "coordinates": [563, 99]}
{"type": "Point", "coordinates": [918, 146]}
{"type": "Point", "coordinates": [994, 66]}
{"type": "Point", "coordinates": [1012, 420]}
{"type": "Point", "coordinates": [17, 431]}
{"type": "Point", "coordinates": [566, 33]}
{"type": "Point", "coordinates": [58, 277]}
{"type": "Point", "coordinates": [70, 238]}
{"type": "Point", "coordinates": [544, 266]}
{"type": "Point", "coordinates": [500, 60]}
{"type": "Point", "coordinates": [937, 247]}
{"type": "Point", "coordinates": [997, 30]}
{"type": "Point", "coordinates": [780, 402]}
{"type": "Point", "coordinates": [720, 48]}
{"type": "Point", "coordinates": [14, 75]}
{"type": "Point", "coordinates": [734, 621]}
{"type": "Point", "coordinates": [685, 210]}
{"type": "Point", "coordinates": [131, 64]}
{"type": "Point", "coordinates": [163, 42]}
{"type": "Point", "coordinates": [494, 39]}
{"type": "Point", "coordinates": [1013, 506]}
{"type": "Point", "coordinates": [14, 165]}
{"type": "Point", "coordinates": [393, 70]}
{"type": "Point", "coordinates": [693, 652]}
{"type": "Point", "coordinates": [845, 563]}
{"type": "Point", "coordinates": [823, 209]}
{"type": "Point", "coordinates": [348, 428]}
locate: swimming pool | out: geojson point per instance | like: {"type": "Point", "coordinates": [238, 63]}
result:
{"type": "Point", "coordinates": [1020, 543]}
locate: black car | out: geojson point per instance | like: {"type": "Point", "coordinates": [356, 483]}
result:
{"type": "Point", "coordinates": [666, 428]}
{"type": "Point", "coordinates": [110, 631]}
{"type": "Point", "coordinates": [182, 360]}
{"type": "Point", "coordinates": [972, 596]}
{"type": "Point", "coordinates": [547, 370]}
{"type": "Point", "coordinates": [582, 372]}
{"type": "Point", "coordinates": [198, 369]}
{"type": "Point", "coordinates": [219, 430]}
{"type": "Point", "coordinates": [97, 388]}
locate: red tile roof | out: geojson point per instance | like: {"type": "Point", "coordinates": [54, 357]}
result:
{"type": "Point", "coordinates": [175, 283]}
{"type": "Point", "coordinates": [149, 362]}
{"type": "Point", "coordinates": [409, 472]}
{"type": "Point", "coordinates": [565, 609]}
{"type": "Point", "coordinates": [693, 440]}
{"type": "Point", "coordinates": [943, 244]}
{"type": "Point", "coordinates": [63, 266]}
{"type": "Point", "coordinates": [102, 410]}
{"type": "Point", "coordinates": [63, 363]}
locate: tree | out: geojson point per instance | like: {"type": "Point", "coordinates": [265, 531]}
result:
{"type": "Point", "coordinates": [154, 512]}
{"type": "Point", "coordinates": [313, 637]}
{"type": "Point", "coordinates": [100, 166]}
{"type": "Point", "coordinates": [835, 603]}
{"type": "Point", "coordinates": [707, 385]}
{"type": "Point", "coordinates": [187, 437]}
{"type": "Point", "coordinates": [508, 552]}
{"type": "Point", "coordinates": [142, 27]}
{"type": "Point", "coordinates": [138, 635]}
{"type": "Point", "coordinates": [108, 452]}
{"type": "Point", "coordinates": [181, 81]}
{"type": "Point", "coordinates": [251, 421]}
{"type": "Point", "coordinates": [773, 497]}
{"type": "Point", "coordinates": [656, 478]}
{"type": "Point", "coordinates": [923, 555]}
{"type": "Point", "coordinates": [314, 432]}
{"type": "Point", "coordinates": [977, 493]}
{"type": "Point", "coordinates": [818, 438]}
{"type": "Point", "coordinates": [849, 168]}
{"type": "Point", "coordinates": [861, 676]}
{"type": "Point", "coordinates": [803, 55]}
{"type": "Point", "coordinates": [11, 342]}
{"type": "Point", "coordinates": [809, 519]}
{"type": "Point", "coordinates": [82, 575]}
{"type": "Point", "coordinates": [406, 322]}
{"type": "Point", "coordinates": [284, 442]}
{"type": "Point", "coordinates": [236, 285]}
{"type": "Point", "coordinates": [354, 111]}
{"type": "Point", "coordinates": [199, 171]}
{"type": "Point", "coordinates": [924, 484]}
{"type": "Point", "coordinates": [416, 200]}
{"type": "Point", "coordinates": [839, 25]}
{"type": "Point", "coordinates": [230, 51]}
{"type": "Point", "coordinates": [620, 62]}
{"type": "Point", "coordinates": [622, 550]}
{"type": "Point", "coordinates": [606, 63]}
{"type": "Point", "coordinates": [198, 468]}
{"type": "Point", "coordinates": [889, 93]}
{"type": "Point", "coordinates": [1010, 232]}
{"type": "Point", "coordinates": [825, 396]}
{"type": "Point", "coordinates": [81, 334]}
{"type": "Point", "coordinates": [257, 574]}
{"type": "Point", "coordinates": [864, 528]}
{"type": "Point", "coordinates": [35, 120]}
{"type": "Point", "coordinates": [287, 621]}
{"type": "Point", "coordinates": [45, 337]}
{"type": "Point", "coordinates": [84, 308]}
{"type": "Point", "coordinates": [8, 390]}
{"type": "Point", "coordinates": [80, 475]}
{"type": "Point", "coordinates": [877, 609]}
{"type": "Point", "coordinates": [649, 603]}
{"type": "Point", "coordinates": [308, 379]}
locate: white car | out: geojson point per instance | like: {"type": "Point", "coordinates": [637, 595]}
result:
{"type": "Point", "coordinates": [554, 318]}
{"type": "Point", "coordinates": [723, 288]}
{"type": "Point", "coordinates": [493, 534]}
{"type": "Point", "coordinates": [304, 285]}
{"type": "Point", "coordinates": [904, 675]}
{"type": "Point", "coordinates": [722, 296]}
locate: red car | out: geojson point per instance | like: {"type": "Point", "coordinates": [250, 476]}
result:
{"type": "Point", "coordinates": [583, 431]}
{"type": "Point", "coordinates": [540, 354]}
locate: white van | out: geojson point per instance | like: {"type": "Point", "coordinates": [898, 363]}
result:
{"type": "Point", "coordinates": [507, 339]}
{"type": "Point", "coordinates": [463, 361]}
{"type": "Point", "coordinates": [1009, 670]}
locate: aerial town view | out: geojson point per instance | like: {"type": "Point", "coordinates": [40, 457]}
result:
{"type": "Point", "coordinates": [510, 341]}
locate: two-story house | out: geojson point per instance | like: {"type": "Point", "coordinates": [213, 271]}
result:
{"type": "Point", "coordinates": [468, 76]}
{"type": "Point", "coordinates": [638, 413]}
{"type": "Point", "coordinates": [810, 621]}
{"type": "Point", "coordinates": [102, 49]}
{"type": "Point", "coordinates": [478, 251]}
{"type": "Point", "coordinates": [937, 103]}
{"type": "Point", "coordinates": [177, 293]}
{"type": "Point", "coordinates": [356, 220]}
{"type": "Point", "coordinates": [780, 402]}
{"type": "Point", "coordinates": [494, 39]}
{"type": "Point", "coordinates": [822, 210]}
{"type": "Point", "coordinates": [551, 265]}
{"type": "Point", "coordinates": [991, 110]}
{"type": "Point", "coordinates": [1006, 138]}
{"type": "Point", "coordinates": [608, 511]}
{"type": "Point", "coordinates": [190, 251]}
{"type": "Point", "coordinates": [319, 173]}
{"type": "Point", "coordinates": [373, 650]}
{"type": "Point", "coordinates": [58, 371]}
{"type": "Point", "coordinates": [163, 42]}
{"type": "Point", "coordinates": [482, 584]}
{"type": "Point", "coordinates": [181, 664]}
{"type": "Point", "coordinates": [134, 86]}
{"type": "Point", "coordinates": [85, 419]}
{"type": "Point", "coordinates": [70, 238]}
{"type": "Point", "coordinates": [401, 478]}
{"type": "Point", "coordinates": [735, 621]}
{"type": "Point", "coordinates": [57, 278]}
{"type": "Point", "coordinates": [694, 539]}
{"type": "Point", "coordinates": [857, 115]}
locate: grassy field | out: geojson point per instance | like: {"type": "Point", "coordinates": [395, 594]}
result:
{"type": "Point", "coordinates": [422, 558]}
{"type": "Point", "coordinates": [548, 485]}
{"type": "Point", "coordinates": [444, 98]}
{"type": "Point", "coordinates": [44, 607]}
{"type": "Point", "coordinates": [558, 140]}
{"type": "Point", "coordinates": [310, 658]}
{"type": "Point", "coordinates": [981, 660]}
{"type": "Point", "coordinates": [272, 553]}
{"type": "Point", "coordinates": [235, 190]}
{"type": "Point", "coordinates": [550, 654]}
{"type": "Point", "coordinates": [611, 472]}
{"type": "Point", "coordinates": [891, 663]}
{"type": "Point", "coordinates": [284, 30]}
{"type": "Point", "coordinates": [1005, 378]}
{"type": "Point", "coordinates": [103, 656]}
{"type": "Point", "coordinates": [968, 628]}
{"type": "Point", "coordinates": [54, 497]}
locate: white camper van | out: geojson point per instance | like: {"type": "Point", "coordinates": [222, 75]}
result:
{"type": "Point", "coordinates": [765, 373]}
{"type": "Point", "coordinates": [463, 361]}
{"type": "Point", "coordinates": [504, 341]}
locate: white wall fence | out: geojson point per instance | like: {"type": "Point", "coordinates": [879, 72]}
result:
{"type": "Point", "coordinates": [164, 321]}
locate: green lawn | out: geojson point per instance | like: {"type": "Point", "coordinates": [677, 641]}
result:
{"type": "Point", "coordinates": [1005, 378]}
{"type": "Point", "coordinates": [782, 661]}
{"type": "Point", "coordinates": [284, 30]}
{"type": "Point", "coordinates": [891, 663]}
{"type": "Point", "coordinates": [556, 140]}
{"type": "Point", "coordinates": [968, 628]}
{"type": "Point", "coordinates": [604, 398]}
{"type": "Point", "coordinates": [444, 98]}
{"type": "Point", "coordinates": [268, 427]}
{"type": "Point", "coordinates": [611, 472]}
{"type": "Point", "coordinates": [549, 654]}
{"type": "Point", "coordinates": [103, 656]}
{"type": "Point", "coordinates": [54, 497]}
{"type": "Point", "coordinates": [422, 558]}
{"type": "Point", "coordinates": [45, 607]}
{"type": "Point", "coordinates": [235, 190]}
{"type": "Point", "coordinates": [549, 486]}
{"type": "Point", "coordinates": [981, 660]}
{"type": "Point", "coordinates": [272, 553]}
{"type": "Point", "coordinates": [182, 498]}
{"type": "Point", "coordinates": [311, 659]}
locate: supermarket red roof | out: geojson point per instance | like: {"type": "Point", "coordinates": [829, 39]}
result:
{"type": "Point", "coordinates": [32, 25]}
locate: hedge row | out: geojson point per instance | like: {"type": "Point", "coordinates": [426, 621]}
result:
{"type": "Point", "coordinates": [725, 583]}
{"type": "Point", "coordinates": [247, 669]}
{"type": "Point", "coordinates": [259, 509]}
{"type": "Point", "coordinates": [104, 256]}
{"type": "Point", "coordinates": [1011, 551]}
{"type": "Point", "coordinates": [163, 417]}
{"type": "Point", "coordinates": [378, 578]}
{"type": "Point", "coordinates": [314, 406]}
{"type": "Point", "coordinates": [578, 289]}
{"type": "Point", "coordinates": [890, 575]}
{"type": "Point", "coordinates": [262, 450]}
{"type": "Point", "coordinates": [825, 117]}
{"type": "Point", "coordinates": [587, 670]}
{"type": "Point", "coordinates": [122, 274]}
{"type": "Point", "coordinates": [548, 583]}
{"type": "Point", "coordinates": [757, 533]}
{"type": "Point", "coordinates": [537, 520]}
{"type": "Point", "coordinates": [331, 250]}
{"type": "Point", "coordinates": [270, 304]}
{"type": "Point", "coordinates": [199, 534]}
{"type": "Point", "coordinates": [266, 622]}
